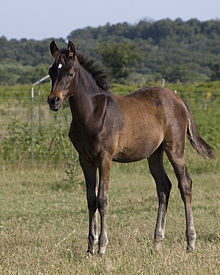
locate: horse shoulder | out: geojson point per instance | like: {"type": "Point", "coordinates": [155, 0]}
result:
{"type": "Point", "coordinates": [98, 115]}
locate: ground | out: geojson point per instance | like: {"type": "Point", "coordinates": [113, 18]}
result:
{"type": "Point", "coordinates": [44, 225]}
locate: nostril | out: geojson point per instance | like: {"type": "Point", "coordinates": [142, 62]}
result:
{"type": "Point", "coordinates": [57, 99]}
{"type": "Point", "coordinates": [53, 101]}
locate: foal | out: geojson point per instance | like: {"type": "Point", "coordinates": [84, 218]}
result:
{"type": "Point", "coordinates": [106, 127]}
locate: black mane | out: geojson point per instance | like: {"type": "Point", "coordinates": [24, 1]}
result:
{"type": "Point", "coordinates": [95, 71]}
{"type": "Point", "coordinates": [92, 68]}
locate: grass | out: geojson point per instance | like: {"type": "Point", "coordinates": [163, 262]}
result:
{"type": "Point", "coordinates": [44, 225]}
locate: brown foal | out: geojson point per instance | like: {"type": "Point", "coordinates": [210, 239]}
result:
{"type": "Point", "coordinates": [107, 127]}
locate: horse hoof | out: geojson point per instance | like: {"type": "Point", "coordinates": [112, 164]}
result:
{"type": "Point", "coordinates": [89, 253]}
{"type": "Point", "coordinates": [190, 249]}
{"type": "Point", "coordinates": [157, 246]}
{"type": "Point", "coordinates": [100, 255]}
{"type": "Point", "coordinates": [101, 252]}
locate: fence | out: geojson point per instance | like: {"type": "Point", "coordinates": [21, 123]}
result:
{"type": "Point", "coordinates": [39, 114]}
{"type": "Point", "coordinates": [31, 132]}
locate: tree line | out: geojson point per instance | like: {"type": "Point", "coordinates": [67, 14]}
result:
{"type": "Point", "coordinates": [176, 50]}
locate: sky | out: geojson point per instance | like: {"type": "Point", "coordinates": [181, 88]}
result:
{"type": "Point", "coordinates": [41, 19]}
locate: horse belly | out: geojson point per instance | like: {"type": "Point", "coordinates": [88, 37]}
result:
{"type": "Point", "coordinates": [139, 150]}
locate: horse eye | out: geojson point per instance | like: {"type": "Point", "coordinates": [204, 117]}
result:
{"type": "Point", "coordinates": [71, 75]}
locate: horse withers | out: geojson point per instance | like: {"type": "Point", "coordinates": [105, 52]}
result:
{"type": "Point", "coordinates": [107, 127]}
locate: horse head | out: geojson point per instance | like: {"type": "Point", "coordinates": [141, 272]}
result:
{"type": "Point", "coordinates": [62, 74]}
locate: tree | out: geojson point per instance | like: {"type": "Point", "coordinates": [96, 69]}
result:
{"type": "Point", "coordinates": [177, 50]}
{"type": "Point", "coordinates": [179, 74]}
{"type": "Point", "coordinates": [120, 58]}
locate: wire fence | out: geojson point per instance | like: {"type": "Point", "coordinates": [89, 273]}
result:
{"type": "Point", "coordinates": [30, 131]}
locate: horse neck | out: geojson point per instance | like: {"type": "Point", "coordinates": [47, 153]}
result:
{"type": "Point", "coordinates": [81, 104]}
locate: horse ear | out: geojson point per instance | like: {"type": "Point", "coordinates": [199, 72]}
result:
{"type": "Point", "coordinates": [72, 50]}
{"type": "Point", "coordinates": [53, 49]}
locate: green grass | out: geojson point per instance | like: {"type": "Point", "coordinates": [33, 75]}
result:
{"type": "Point", "coordinates": [44, 225]}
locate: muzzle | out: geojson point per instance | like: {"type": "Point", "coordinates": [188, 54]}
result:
{"type": "Point", "coordinates": [55, 103]}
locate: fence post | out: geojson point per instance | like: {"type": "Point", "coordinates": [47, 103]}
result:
{"type": "Point", "coordinates": [32, 114]}
{"type": "Point", "coordinates": [32, 127]}
{"type": "Point", "coordinates": [39, 111]}
{"type": "Point", "coordinates": [163, 82]}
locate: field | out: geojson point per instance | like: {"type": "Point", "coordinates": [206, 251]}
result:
{"type": "Point", "coordinates": [43, 210]}
{"type": "Point", "coordinates": [44, 225]}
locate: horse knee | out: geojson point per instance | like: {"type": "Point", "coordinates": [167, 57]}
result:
{"type": "Point", "coordinates": [92, 201]}
{"type": "Point", "coordinates": [185, 191]}
{"type": "Point", "coordinates": [164, 193]}
{"type": "Point", "coordinates": [102, 204]}
{"type": "Point", "coordinates": [163, 196]}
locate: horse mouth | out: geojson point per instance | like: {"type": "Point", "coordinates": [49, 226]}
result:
{"type": "Point", "coordinates": [55, 104]}
{"type": "Point", "coordinates": [55, 109]}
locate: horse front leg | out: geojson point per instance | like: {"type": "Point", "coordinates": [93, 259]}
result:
{"type": "Point", "coordinates": [104, 178]}
{"type": "Point", "coordinates": [90, 173]}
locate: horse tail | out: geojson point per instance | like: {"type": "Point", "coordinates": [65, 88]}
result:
{"type": "Point", "coordinates": [197, 142]}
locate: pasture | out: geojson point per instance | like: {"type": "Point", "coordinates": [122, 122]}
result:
{"type": "Point", "coordinates": [43, 210]}
{"type": "Point", "coordinates": [44, 225]}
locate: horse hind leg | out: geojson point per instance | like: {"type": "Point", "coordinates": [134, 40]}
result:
{"type": "Point", "coordinates": [176, 157]}
{"type": "Point", "coordinates": [163, 185]}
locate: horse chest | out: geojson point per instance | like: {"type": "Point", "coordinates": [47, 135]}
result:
{"type": "Point", "coordinates": [83, 141]}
